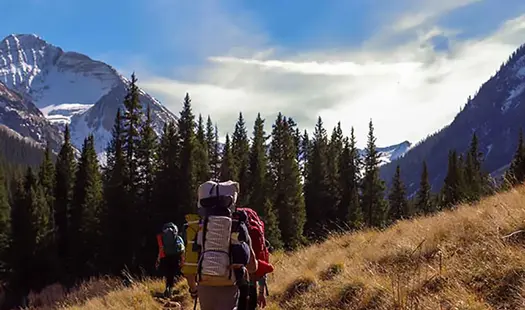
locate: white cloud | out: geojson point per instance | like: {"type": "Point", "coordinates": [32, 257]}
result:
{"type": "Point", "coordinates": [409, 90]}
{"type": "Point", "coordinates": [425, 11]}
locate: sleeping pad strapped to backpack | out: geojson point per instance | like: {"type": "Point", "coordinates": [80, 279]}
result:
{"type": "Point", "coordinates": [191, 256]}
{"type": "Point", "coordinates": [220, 233]}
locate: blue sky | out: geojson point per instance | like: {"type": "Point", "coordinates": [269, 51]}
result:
{"type": "Point", "coordinates": [348, 60]}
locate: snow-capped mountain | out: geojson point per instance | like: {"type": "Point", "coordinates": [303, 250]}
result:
{"type": "Point", "coordinates": [69, 87]}
{"type": "Point", "coordinates": [23, 117]}
{"type": "Point", "coordinates": [496, 113]}
{"type": "Point", "coordinates": [390, 153]}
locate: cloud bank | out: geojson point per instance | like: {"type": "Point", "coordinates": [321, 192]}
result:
{"type": "Point", "coordinates": [410, 86]}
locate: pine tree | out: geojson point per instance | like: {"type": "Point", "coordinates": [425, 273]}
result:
{"type": "Point", "coordinates": [258, 166]}
{"type": "Point", "coordinates": [424, 203]}
{"type": "Point", "coordinates": [349, 210]}
{"type": "Point", "coordinates": [335, 149]}
{"type": "Point", "coordinates": [212, 140]}
{"type": "Point", "coordinates": [317, 186]}
{"type": "Point", "coordinates": [147, 169]}
{"type": "Point", "coordinates": [118, 209]}
{"type": "Point", "coordinates": [5, 217]}
{"type": "Point", "coordinates": [85, 234]}
{"type": "Point", "coordinates": [188, 187]}
{"type": "Point", "coordinates": [64, 181]}
{"type": "Point", "coordinates": [202, 153]}
{"type": "Point", "coordinates": [373, 202]}
{"type": "Point", "coordinates": [131, 123]}
{"type": "Point", "coordinates": [30, 230]}
{"type": "Point", "coordinates": [453, 186]}
{"type": "Point", "coordinates": [241, 154]}
{"type": "Point", "coordinates": [227, 170]}
{"type": "Point", "coordinates": [132, 120]}
{"type": "Point", "coordinates": [46, 177]}
{"type": "Point", "coordinates": [516, 172]}
{"type": "Point", "coordinates": [398, 204]}
{"type": "Point", "coordinates": [475, 181]}
{"type": "Point", "coordinates": [287, 190]}
{"type": "Point", "coordinates": [168, 177]}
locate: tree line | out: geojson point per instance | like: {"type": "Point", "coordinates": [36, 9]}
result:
{"type": "Point", "coordinates": [71, 218]}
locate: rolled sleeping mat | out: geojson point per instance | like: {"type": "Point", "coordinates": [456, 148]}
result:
{"type": "Point", "coordinates": [215, 257]}
{"type": "Point", "coordinates": [191, 255]}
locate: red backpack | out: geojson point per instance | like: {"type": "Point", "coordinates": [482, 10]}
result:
{"type": "Point", "coordinates": [256, 230]}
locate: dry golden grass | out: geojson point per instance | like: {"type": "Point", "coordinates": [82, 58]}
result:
{"type": "Point", "coordinates": [143, 295]}
{"type": "Point", "coordinates": [457, 259]}
{"type": "Point", "coordinates": [453, 260]}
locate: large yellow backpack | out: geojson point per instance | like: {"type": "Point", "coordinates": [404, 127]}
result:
{"type": "Point", "coordinates": [191, 256]}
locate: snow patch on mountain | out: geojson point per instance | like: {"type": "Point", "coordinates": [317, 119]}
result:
{"type": "Point", "coordinates": [70, 88]}
{"type": "Point", "coordinates": [390, 153]}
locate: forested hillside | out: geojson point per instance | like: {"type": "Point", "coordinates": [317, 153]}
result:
{"type": "Point", "coordinates": [495, 113]}
{"type": "Point", "coordinates": [70, 219]}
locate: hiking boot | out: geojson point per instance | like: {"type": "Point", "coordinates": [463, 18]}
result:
{"type": "Point", "coordinates": [168, 292]}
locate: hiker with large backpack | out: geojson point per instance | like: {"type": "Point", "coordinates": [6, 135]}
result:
{"type": "Point", "coordinates": [226, 256]}
{"type": "Point", "coordinates": [170, 257]}
{"type": "Point", "coordinates": [254, 294]}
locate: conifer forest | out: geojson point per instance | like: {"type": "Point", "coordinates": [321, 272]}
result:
{"type": "Point", "coordinates": [66, 217]}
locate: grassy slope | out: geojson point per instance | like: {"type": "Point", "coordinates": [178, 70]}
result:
{"type": "Point", "coordinates": [454, 260]}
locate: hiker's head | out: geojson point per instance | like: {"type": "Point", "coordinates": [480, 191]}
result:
{"type": "Point", "coordinates": [171, 226]}
{"type": "Point", "coordinates": [223, 194]}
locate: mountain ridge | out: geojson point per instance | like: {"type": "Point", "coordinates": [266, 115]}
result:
{"type": "Point", "coordinates": [70, 88]}
{"type": "Point", "coordinates": [495, 113]}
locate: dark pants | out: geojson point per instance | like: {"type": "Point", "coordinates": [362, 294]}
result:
{"type": "Point", "coordinates": [247, 297]}
{"type": "Point", "coordinates": [171, 268]}
{"type": "Point", "coordinates": [240, 254]}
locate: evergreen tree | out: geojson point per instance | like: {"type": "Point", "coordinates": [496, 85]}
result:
{"type": "Point", "coordinates": [147, 169]}
{"type": "Point", "coordinates": [64, 181]}
{"type": "Point", "coordinates": [132, 120]}
{"type": "Point", "coordinates": [213, 148]}
{"type": "Point", "coordinates": [131, 125]}
{"type": "Point", "coordinates": [30, 231]}
{"type": "Point", "coordinates": [202, 153]}
{"type": "Point", "coordinates": [516, 172]}
{"type": "Point", "coordinates": [188, 172]}
{"type": "Point", "coordinates": [475, 180]}
{"type": "Point", "coordinates": [241, 154]}
{"type": "Point", "coordinates": [168, 177]}
{"type": "Point", "coordinates": [373, 202]}
{"type": "Point", "coordinates": [317, 186]}
{"type": "Point", "coordinates": [349, 208]}
{"type": "Point", "coordinates": [287, 190]}
{"type": "Point", "coordinates": [453, 186]}
{"type": "Point", "coordinates": [86, 235]}
{"type": "Point", "coordinates": [118, 209]}
{"type": "Point", "coordinates": [258, 167]}
{"type": "Point", "coordinates": [424, 203]}
{"type": "Point", "coordinates": [335, 149]}
{"type": "Point", "coordinates": [46, 177]}
{"type": "Point", "coordinates": [5, 217]}
{"type": "Point", "coordinates": [227, 170]}
{"type": "Point", "coordinates": [398, 204]}
{"type": "Point", "coordinates": [259, 198]}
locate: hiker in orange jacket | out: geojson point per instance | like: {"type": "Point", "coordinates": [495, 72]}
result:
{"type": "Point", "coordinates": [171, 255]}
